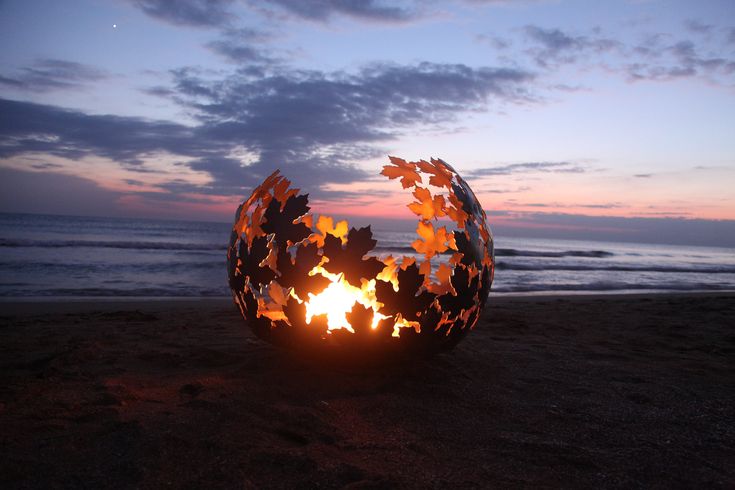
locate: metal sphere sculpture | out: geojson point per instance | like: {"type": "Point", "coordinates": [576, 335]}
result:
{"type": "Point", "coordinates": [304, 282]}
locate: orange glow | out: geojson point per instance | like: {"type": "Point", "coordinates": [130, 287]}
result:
{"type": "Point", "coordinates": [337, 300]}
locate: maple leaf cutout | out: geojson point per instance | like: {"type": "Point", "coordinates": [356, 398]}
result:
{"type": "Point", "coordinates": [282, 192]}
{"type": "Point", "coordinates": [427, 207]}
{"type": "Point", "coordinates": [405, 170]}
{"type": "Point", "coordinates": [433, 242]}
{"type": "Point", "coordinates": [325, 224]}
{"type": "Point", "coordinates": [444, 275]}
{"type": "Point", "coordinates": [350, 260]}
{"type": "Point", "coordinates": [441, 174]}
{"type": "Point", "coordinates": [456, 212]}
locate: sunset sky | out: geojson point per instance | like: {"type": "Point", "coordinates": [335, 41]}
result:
{"type": "Point", "coordinates": [612, 118]}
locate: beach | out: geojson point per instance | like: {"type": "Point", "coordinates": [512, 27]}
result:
{"type": "Point", "coordinates": [614, 391]}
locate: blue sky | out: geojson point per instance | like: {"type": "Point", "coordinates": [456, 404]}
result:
{"type": "Point", "coordinates": [555, 111]}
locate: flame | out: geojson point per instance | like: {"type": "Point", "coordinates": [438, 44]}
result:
{"type": "Point", "coordinates": [338, 299]}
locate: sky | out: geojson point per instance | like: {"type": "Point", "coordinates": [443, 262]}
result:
{"type": "Point", "coordinates": [605, 120]}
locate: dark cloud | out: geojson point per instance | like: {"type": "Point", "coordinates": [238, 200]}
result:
{"type": "Point", "coordinates": [528, 167]}
{"type": "Point", "coordinates": [558, 205]}
{"type": "Point", "coordinates": [45, 166]}
{"type": "Point", "coordinates": [34, 128]}
{"type": "Point", "coordinates": [242, 46]}
{"type": "Point", "coordinates": [323, 121]}
{"type": "Point", "coordinates": [698, 27]}
{"type": "Point", "coordinates": [322, 10]}
{"type": "Point", "coordinates": [494, 41]}
{"type": "Point", "coordinates": [657, 57]}
{"type": "Point", "coordinates": [52, 74]}
{"type": "Point", "coordinates": [643, 176]}
{"type": "Point", "coordinates": [314, 126]}
{"type": "Point", "coordinates": [196, 13]}
{"type": "Point", "coordinates": [554, 47]}
{"type": "Point", "coordinates": [493, 190]}
{"type": "Point", "coordinates": [661, 61]}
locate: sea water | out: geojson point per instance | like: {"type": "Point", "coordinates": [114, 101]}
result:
{"type": "Point", "coordinates": [67, 256]}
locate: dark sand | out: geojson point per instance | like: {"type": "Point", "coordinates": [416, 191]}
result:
{"type": "Point", "coordinates": [627, 391]}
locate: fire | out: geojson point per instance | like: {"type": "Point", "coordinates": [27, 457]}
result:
{"type": "Point", "coordinates": [337, 299]}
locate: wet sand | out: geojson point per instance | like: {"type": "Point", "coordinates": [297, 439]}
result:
{"type": "Point", "coordinates": [617, 391]}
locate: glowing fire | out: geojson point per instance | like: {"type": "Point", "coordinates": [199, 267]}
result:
{"type": "Point", "coordinates": [337, 299]}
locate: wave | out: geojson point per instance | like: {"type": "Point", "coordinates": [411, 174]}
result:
{"type": "Point", "coordinates": [112, 267]}
{"type": "Point", "coordinates": [511, 252]}
{"type": "Point", "coordinates": [149, 245]}
{"type": "Point", "coordinates": [610, 286]}
{"type": "Point", "coordinates": [150, 292]}
{"type": "Point", "coordinates": [136, 245]}
{"type": "Point", "coordinates": [615, 268]}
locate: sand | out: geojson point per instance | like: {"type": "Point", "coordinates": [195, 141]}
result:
{"type": "Point", "coordinates": [617, 391]}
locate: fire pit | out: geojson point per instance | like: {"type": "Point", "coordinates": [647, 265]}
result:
{"type": "Point", "coordinates": [306, 283]}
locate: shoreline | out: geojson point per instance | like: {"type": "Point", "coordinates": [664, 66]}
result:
{"type": "Point", "coordinates": [73, 304]}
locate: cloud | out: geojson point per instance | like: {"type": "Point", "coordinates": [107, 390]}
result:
{"type": "Point", "coordinates": [314, 126]}
{"type": "Point", "coordinates": [656, 58]}
{"type": "Point", "coordinates": [323, 10]}
{"type": "Point", "coordinates": [26, 127]}
{"type": "Point", "coordinates": [698, 27]}
{"type": "Point", "coordinates": [643, 176]}
{"type": "Point", "coordinates": [559, 205]}
{"type": "Point", "coordinates": [242, 46]}
{"type": "Point", "coordinates": [527, 167]}
{"type": "Point", "coordinates": [322, 121]}
{"type": "Point", "coordinates": [554, 47]}
{"type": "Point", "coordinates": [660, 60]}
{"type": "Point", "coordinates": [46, 75]}
{"type": "Point", "coordinates": [195, 13]}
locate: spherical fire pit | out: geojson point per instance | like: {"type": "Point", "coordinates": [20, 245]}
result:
{"type": "Point", "coordinates": [306, 283]}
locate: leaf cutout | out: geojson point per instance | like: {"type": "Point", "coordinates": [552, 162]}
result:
{"type": "Point", "coordinates": [253, 228]}
{"type": "Point", "coordinates": [250, 260]}
{"type": "Point", "coordinates": [295, 313]}
{"type": "Point", "coordinates": [388, 274]}
{"type": "Point", "coordinates": [470, 248]}
{"type": "Point", "coordinates": [441, 174]}
{"type": "Point", "coordinates": [282, 192]}
{"type": "Point", "coordinates": [470, 205]}
{"type": "Point", "coordinates": [282, 223]}
{"type": "Point", "coordinates": [277, 293]}
{"type": "Point", "coordinates": [431, 320]}
{"type": "Point", "coordinates": [263, 190]}
{"type": "Point", "coordinates": [465, 292]}
{"type": "Point", "coordinates": [405, 170]}
{"type": "Point", "coordinates": [295, 273]}
{"type": "Point", "coordinates": [404, 301]}
{"type": "Point", "coordinates": [360, 319]}
{"type": "Point", "coordinates": [432, 242]}
{"type": "Point", "coordinates": [443, 276]}
{"type": "Point", "coordinates": [326, 226]}
{"type": "Point", "coordinates": [260, 325]}
{"type": "Point", "coordinates": [349, 260]}
{"type": "Point", "coordinates": [455, 211]}
{"type": "Point", "coordinates": [425, 269]}
{"type": "Point", "coordinates": [427, 207]}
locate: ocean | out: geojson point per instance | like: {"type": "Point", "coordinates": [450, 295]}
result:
{"type": "Point", "coordinates": [67, 256]}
